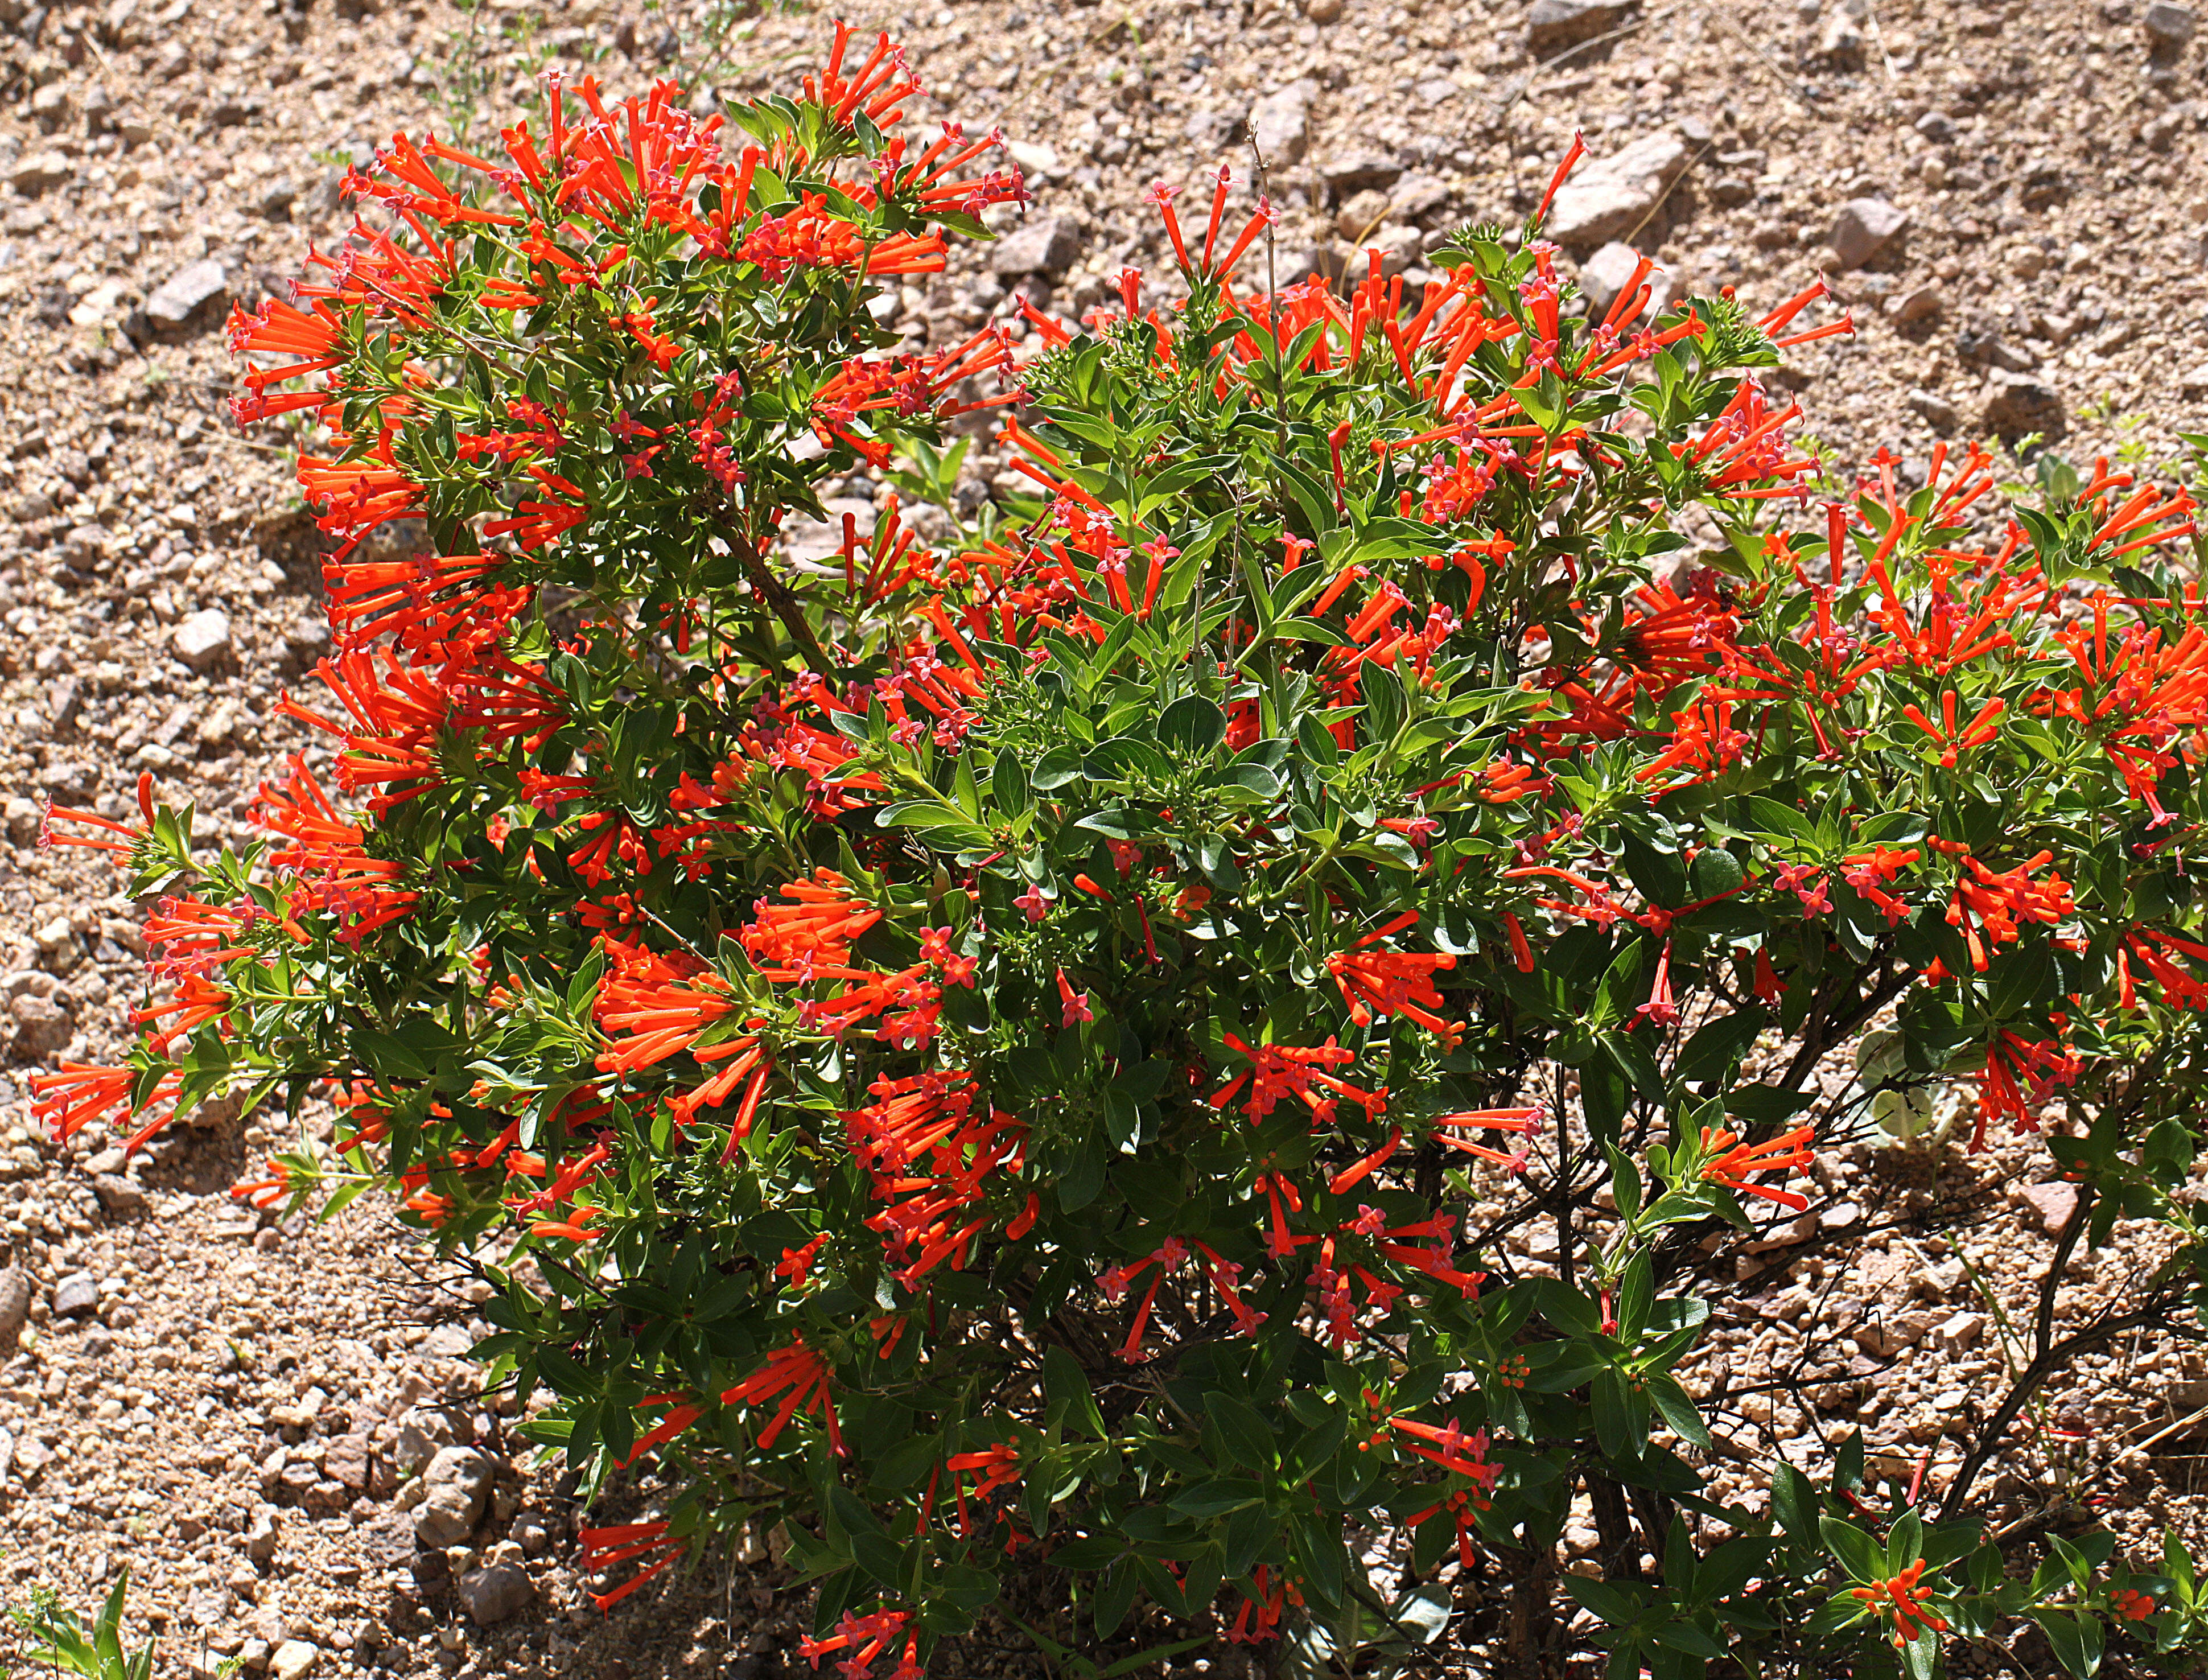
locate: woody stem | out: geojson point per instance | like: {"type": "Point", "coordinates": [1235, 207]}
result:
{"type": "Point", "coordinates": [2157, 1310]}
{"type": "Point", "coordinates": [784, 606]}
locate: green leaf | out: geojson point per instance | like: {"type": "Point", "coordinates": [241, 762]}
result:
{"type": "Point", "coordinates": [1564, 1307]}
{"type": "Point", "coordinates": [1673, 1404]}
{"type": "Point", "coordinates": [2076, 1637]}
{"type": "Point", "coordinates": [1861, 1557]}
{"type": "Point", "coordinates": [1247, 1435]}
{"type": "Point", "coordinates": [1057, 767]}
{"type": "Point", "coordinates": [1191, 724]}
{"type": "Point", "coordinates": [1065, 1386]}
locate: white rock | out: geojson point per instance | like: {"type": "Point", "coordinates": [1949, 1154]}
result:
{"type": "Point", "coordinates": [181, 299]}
{"type": "Point", "coordinates": [1044, 245]}
{"type": "Point", "coordinates": [295, 1660]}
{"type": "Point", "coordinates": [1281, 123]}
{"type": "Point", "coordinates": [1961, 1333]}
{"type": "Point", "coordinates": [1607, 199]}
{"type": "Point", "coordinates": [40, 173]}
{"type": "Point", "coordinates": [203, 640]}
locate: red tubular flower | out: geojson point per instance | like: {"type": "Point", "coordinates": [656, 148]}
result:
{"type": "Point", "coordinates": [1903, 1598]}
{"type": "Point", "coordinates": [798, 1375]}
{"type": "Point", "coordinates": [1571, 157]}
{"type": "Point", "coordinates": [1278, 1070]}
{"type": "Point", "coordinates": [1375, 983]}
{"type": "Point", "coordinates": [810, 935]}
{"type": "Point", "coordinates": [67, 1102]}
{"type": "Point", "coordinates": [397, 714]}
{"type": "Point", "coordinates": [994, 1467]}
{"type": "Point", "coordinates": [123, 848]}
{"type": "Point", "coordinates": [1488, 1119]}
{"type": "Point", "coordinates": [603, 1548]}
{"type": "Point", "coordinates": [1731, 1162]}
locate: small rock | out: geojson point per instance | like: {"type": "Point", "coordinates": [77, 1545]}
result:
{"type": "Point", "coordinates": [1323, 11]}
{"type": "Point", "coordinates": [75, 1295]}
{"type": "Point", "coordinates": [1841, 43]}
{"type": "Point", "coordinates": [1362, 213]}
{"type": "Point", "coordinates": [456, 1487]}
{"type": "Point", "coordinates": [1961, 1333]}
{"type": "Point", "coordinates": [2018, 404]}
{"type": "Point", "coordinates": [1863, 228]}
{"type": "Point", "coordinates": [15, 1305]}
{"type": "Point", "coordinates": [2168, 26]}
{"type": "Point", "coordinates": [1044, 245]}
{"type": "Point", "coordinates": [346, 1461]}
{"type": "Point", "coordinates": [2045, 1208]}
{"type": "Point", "coordinates": [1360, 166]}
{"type": "Point", "coordinates": [203, 640]}
{"type": "Point", "coordinates": [43, 1027]}
{"type": "Point", "coordinates": [1609, 198]}
{"type": "Point", "coordinates": [1923, 303]}
{"type": "Point", "coordinates": [1280, 123]}
{"type": "Point", "coordinates": [1399, 247]}
{"type": "Point", "coordinates": [2193, 382]}
{"type": "Point", "coordinates": [261, 1539]}
{"type": "Point", "coordinates": [188, 296]}
{"type": "Point", "coordinates": [495, 1594]}
{"type": "Point", "coordinates": [276, 198]}
{"type": "Point", "coordinates": [295, 1660]}
{"type": "Point", "coordinates": [83, 546]}
{"type": "Point", "coordinates": [1553, 24]}
{"type": "Point", "coordinates": [119, 1196]}
{"type": "Point", "coordinates": [41, 171]}
{"type": "Point", "coordinates": [529, 1534]}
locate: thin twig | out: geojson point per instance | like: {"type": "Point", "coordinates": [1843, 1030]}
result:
{"type": "Point", "coordinates": [1525, 82]}
{"type": "Point", "coordinates": [1667, 191]}
{"type": "Point", "coordinates": [2027, 1384]}
{"type": "Point", "coordinates": [1800, 91]}
{"type": "Point", "coordinates": [2177, 1428]}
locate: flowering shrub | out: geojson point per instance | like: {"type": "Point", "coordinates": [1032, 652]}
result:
{"type": "Point", "coordinates": [1026, 1058]}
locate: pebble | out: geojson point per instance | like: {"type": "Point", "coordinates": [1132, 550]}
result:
{"type": "Point", "coordinates": [203, 640]}
{"type": "Point", "coordinates": [2045, 1208]}
{"type": "Point", "coordinates": [75, 1295]}
{"type": "Point", "coordinates": [43, 1027]}
{"type": "Point", "coordinates": [1607, 198]}
{"type": "Point", "coordinates": [1603, 275]}
{"type": "Point", "coordinates": [188, 296]}
{"type": "Point", "coordinates": [1923, 303]}
{"type": "Point", "coordinates": [2018, 404]}
{"type": "Point", "coordinates": [15, 1304]}
{"type": "Point", "coordinates": [456, 1487]}
{"type": "Point", "coordinates": [495, 1594]}
{"type": "Point", "coordinates": [41, 171]}
{"type": "Point", "coordinates": [295, 1660]}
{"type": "Point", "coordinates": [2170, 26]}
{"type": "Point", "coordinates": [1360, 166]}
{"type": "Point", "coordinates": [1041, 245]}
{"type": "Point", "coordinates": [121, 1197]}
{"type": "Point", "coordinates": [1280, 123]}
{"type": "Point", "coordinates": [1553, 24]}
{"type": "Point", "coordinates": [1863, 228]}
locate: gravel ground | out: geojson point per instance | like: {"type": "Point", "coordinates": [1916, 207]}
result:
{"type": "Point", "coordinates": [255, 1418]}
